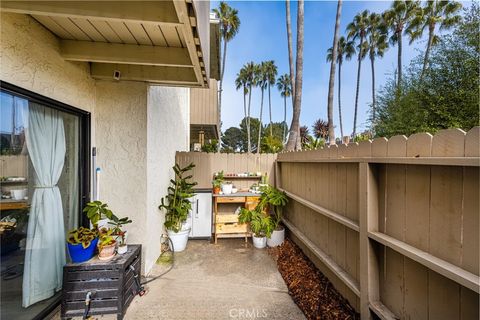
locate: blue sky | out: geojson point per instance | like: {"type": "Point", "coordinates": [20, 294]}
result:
{"type": "Point", "coordinates": [262, 36]}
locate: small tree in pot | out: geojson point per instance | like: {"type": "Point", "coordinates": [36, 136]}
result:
{"type": "Point", "coordinates": [273, 200]}
{"type": "Point", "coordinates": [177, 205]}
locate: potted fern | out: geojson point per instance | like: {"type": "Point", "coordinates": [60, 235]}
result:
{"type": "Point", "coordinates": [273, 200]}
{"type": "Point", "coordinates": [260, 225]}
{"type": "Point", "coordinates": [177, 206]}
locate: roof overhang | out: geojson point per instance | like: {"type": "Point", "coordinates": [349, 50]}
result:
{"type": "Point", "coordinates": [164, 42]}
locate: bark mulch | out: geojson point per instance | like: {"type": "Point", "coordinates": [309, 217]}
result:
{"type": "Point", "coordinates": [310, 289]}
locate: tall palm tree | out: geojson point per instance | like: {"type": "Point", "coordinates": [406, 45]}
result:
{"type": "Point", "coordinates": [376, 46]}
{"type": "Point", "coordinates": [398, 19]}
{"type": "Point", "coordinates": [241, 83]}
{"type": "Point", "coordinates": [290, 50]}
{"type": "Point", "coordinates": [250, 70]}
{"type": "Point", "coordinates": [271, 76]}
{"type": "Point", "coordinates": [331, 81]}
{"type": "Point", "coordinates": [346, 50]}
{"type": "Point", "coordinates": [261, 80]}
{"type": "Point", "coordinates": [229, 26]}
{"type": "Point", "coordinates": [293, 138]}
{"type": "Point", "coordinates": [357, 29]}
{"type": "Point", "coordinates": [284, 85]}
{"type": "Point", "coordinates": [443, 13]}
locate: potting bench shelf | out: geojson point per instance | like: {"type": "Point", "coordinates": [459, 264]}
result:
{"type": "Point", "coordinates": [111, 283]}
{"type": "Point", "coordinates": [226, 220]}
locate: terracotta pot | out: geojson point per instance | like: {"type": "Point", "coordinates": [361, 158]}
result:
{"type": "Point", "coordinates": [216, 190]}
{"type": "Point", "coordinates": [107, 252]}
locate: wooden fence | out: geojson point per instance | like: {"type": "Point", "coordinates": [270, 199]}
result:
{"type": "Point", "coordinates": [394, 224]}
{"type": "Point", "coordinates": [206, 164]}
{"type": "Point", "coordinates": [14, 166]}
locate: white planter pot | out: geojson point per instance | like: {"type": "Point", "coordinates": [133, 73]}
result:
{"type": "Point", "coordinates": [179, 239]}
{"type": "Point", "coordinates": [122, 249]}
{"type": "Point", "coordinates": [276, 238]}
{"type": "Point", "coordinates": [227, 188]}
{"type": "Point", "coordinates": [260, 242]}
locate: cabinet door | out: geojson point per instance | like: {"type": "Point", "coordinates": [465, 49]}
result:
{"type": "Point", "coordinates": [202, 215]}
{"type": "Point", "coordinates": [191, 214]}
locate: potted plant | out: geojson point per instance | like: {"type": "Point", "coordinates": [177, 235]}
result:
{"type": "Point", "coordinates": [260, 225]}
{"type": "Point", "coordinates": [81, 244]}
{"type": "Point", "coordinates": [106, 244]}
{"type": "Point", "coordinates": [98, 213]}
{"type": "Point", "coordinates": [217, 182]}
{"type": "Point", "coordinates": [273, 200]}
{"type": "Point", "coordinates": [120, 235]}
{"type": "Point", "coordinates": [177, 205]}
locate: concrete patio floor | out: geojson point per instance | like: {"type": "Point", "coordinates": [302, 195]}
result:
{"type": "Point", "coordinates": [223, 281]}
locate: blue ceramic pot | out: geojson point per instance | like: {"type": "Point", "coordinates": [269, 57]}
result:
{"type": "Point", "coordinates": [80, 254]}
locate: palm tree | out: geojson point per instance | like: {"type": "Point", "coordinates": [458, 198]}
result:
{"type": "Point", "coordinates": [261, 82]}
{"type": "Point", "coordinates": [241, 83]}
{"type": "Point", "coordinates": [376, 46]}
{"type": "Point", "coordinates": [293, 138]}
{"type": "Point", "coordinates": [284, 85]}
{"type": "Point", "coordinates": [443, 13]}
{"type": "Point", "coordinates": [290, 50]}
{"type": "Point", "coordinates": [250, 70]}
{"type": "Point", "coordinates": [398, 19]}
{"type": "Point", "coordinates": [271, 75]}
{"type": "Point", "coordinates": [346, 50]}
{"type": "Point", "coordinates": [229, 26]}
{"type": "Point", "coordinates": [357, 29]}
{"type": "Point", "coordinates": [331, 81]}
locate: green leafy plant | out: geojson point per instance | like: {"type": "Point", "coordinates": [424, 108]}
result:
{"type": "Point", "coordinates": [176, 203]}
{"type": "Point", "coordinates": [96, 211]}
{"type": "Point", "coordinates": [218, 180]}
{"type": "Point", "coordinates": [82, 236]}
{"type": "Point", "coordinates": [117, 224]}
{"type": "Point", "coordinates": [211, 146]}
{"type": "Point", "coordinates": [105, 237]}
{"type": "Point", "coordinates": [275, 199]}
{"type": "Point", "coordinates": [260, 223]}
{"type": "Point", "coordinates": [313, 144]}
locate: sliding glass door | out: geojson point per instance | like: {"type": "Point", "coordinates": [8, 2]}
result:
{"type": "Point", "coordinates": [44, 183]}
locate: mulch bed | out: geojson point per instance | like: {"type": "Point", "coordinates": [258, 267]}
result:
{"type": "Point", "coordinates": [310, 289]}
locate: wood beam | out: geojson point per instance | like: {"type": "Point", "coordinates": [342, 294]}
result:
{"type": "Point", "coordinates": [182, 13]}
{"type": "Point", "coordinates": [156, 74]}
{"type": "Point", "coordinates": [158, 12]}
{"type": "Point", "coordinates": [124, 53]}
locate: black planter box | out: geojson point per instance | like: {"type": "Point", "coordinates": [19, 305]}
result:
{"type": "Point", "coordinates": [111, 283]}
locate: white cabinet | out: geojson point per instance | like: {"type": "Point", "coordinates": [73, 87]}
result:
{"type": "Point", "coordinates": [200, 217]}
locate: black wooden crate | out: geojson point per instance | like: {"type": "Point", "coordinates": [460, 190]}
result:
{"type": "Point", "coordinates": [111, 282]}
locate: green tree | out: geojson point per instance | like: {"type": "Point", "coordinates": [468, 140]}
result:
{"type": "Point", "coordinates": [232, 140]}
{"type": "Point", "coordinates": [229, 26]}
{"type": "Point", "coordinates": [284, 85]}
{"type": "Point", "coordinates": [271, 73]}
{"type": "Point", "coordinates": [436, 12]}
{"type": "Point", "coordinates": [346, 50]}
{"type": "Point", "coordinates": [254, 123]}
{"type": "Point", "coordinates": [448, 94]}
{"type": "Point", "coordinates": [331, 81]}
{"type": "Point", "coordinates": [376, 46]}
{"type": "Point", "coordinates": [357, 29]}
{"type": "Point", "coordinates": [398, 19]}
{"type": "Point", "coordinates": [294, 135]}
{"type": "Point", "coordinates": [261, 82]}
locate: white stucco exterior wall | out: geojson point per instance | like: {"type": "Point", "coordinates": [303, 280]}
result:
{"type": "Point", "coordinates": [168, 131]}
{"type": "Point", "coordinates": [136, 127]}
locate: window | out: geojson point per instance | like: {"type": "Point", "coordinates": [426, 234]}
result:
{"type": "Point", "coordinates": [44, 184]}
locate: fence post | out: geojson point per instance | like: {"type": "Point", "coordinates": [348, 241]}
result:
{"type": "Point", "coordinates": [368, 210]}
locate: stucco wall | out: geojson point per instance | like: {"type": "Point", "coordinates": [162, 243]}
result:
{"type": "Point", "coordinates": [29, 58]}
{"type": "Point", "coordinates": [168, 131]}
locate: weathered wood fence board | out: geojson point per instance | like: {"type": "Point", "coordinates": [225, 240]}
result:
{"type": "Point", "coordinates": [393, 223]}
{"type": "Point", "coordinates": [206, 164]}
{"type": "Point", "coordinates": [14, 166]}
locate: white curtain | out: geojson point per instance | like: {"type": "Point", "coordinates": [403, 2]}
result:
{"type": "Point", "coordinates": [45, 251]}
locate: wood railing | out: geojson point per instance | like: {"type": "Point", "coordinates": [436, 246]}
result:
{"type": "Point", "coordinates": [394, 224]}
